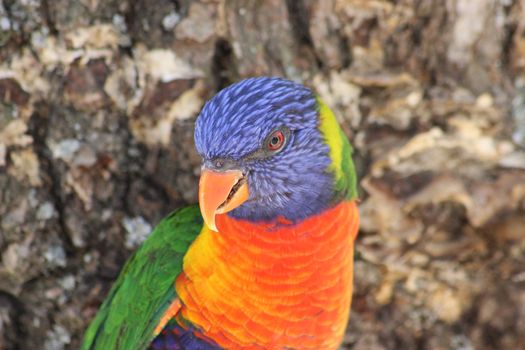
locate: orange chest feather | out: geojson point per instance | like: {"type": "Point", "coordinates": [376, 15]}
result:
{"type": "Point", "coordinates": [255, 287]}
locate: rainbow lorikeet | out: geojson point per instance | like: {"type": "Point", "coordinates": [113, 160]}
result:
{"type": "Point", "coordinates": [267, 261]}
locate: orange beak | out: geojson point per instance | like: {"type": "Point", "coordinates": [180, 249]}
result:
{"type": "Point", "coordinates": [220, 192]}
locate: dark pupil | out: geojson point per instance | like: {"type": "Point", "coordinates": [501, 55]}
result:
{"type": "Point", "coordinates": [274, 141]}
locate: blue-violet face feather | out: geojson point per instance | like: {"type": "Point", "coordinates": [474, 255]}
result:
{"type": "Point", "coordinates": [294, 183]}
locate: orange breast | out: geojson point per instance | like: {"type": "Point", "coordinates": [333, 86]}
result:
{"type": "Point", "coordinates": [251, 286]}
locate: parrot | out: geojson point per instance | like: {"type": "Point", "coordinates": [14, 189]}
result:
{"type": "Point", "coordinates": [265, 259]}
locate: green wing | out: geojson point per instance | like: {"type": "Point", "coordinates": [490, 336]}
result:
{"type": "Point", "coordinates": [145, 288]}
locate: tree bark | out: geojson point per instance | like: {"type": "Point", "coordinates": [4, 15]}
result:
{"type": "Point", "coordinates": [97, 104]}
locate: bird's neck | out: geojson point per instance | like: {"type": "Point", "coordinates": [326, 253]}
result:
{"type": "Point", "coordinates": [281, 286]}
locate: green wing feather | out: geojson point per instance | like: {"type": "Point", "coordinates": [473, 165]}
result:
{"type": "Point", "coordinates": [145, 288]}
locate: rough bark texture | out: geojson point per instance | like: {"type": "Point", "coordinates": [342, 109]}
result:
{"type": "Point", "coordinates": [97, 103]}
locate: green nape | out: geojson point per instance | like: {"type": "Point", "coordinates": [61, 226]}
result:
{"type": "Point", "coordinates": [340, 152]}
{"type": "Point", "coordinates": [145, 288]}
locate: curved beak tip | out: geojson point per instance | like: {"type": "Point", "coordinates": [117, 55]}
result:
{"type": "Point", "coordinates": [212, 226]}
{"type": "Point", "coordinates": [220, 192]}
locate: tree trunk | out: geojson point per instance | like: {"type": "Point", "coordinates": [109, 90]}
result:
{"type": "Point", "coordinates": [97, 104]}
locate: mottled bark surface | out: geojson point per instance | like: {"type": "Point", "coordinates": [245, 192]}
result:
{"type": "Point", "coordinates": [97, 104]}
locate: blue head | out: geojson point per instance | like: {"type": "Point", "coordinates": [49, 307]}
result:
{"type": "Point", "coordinates": [268, 129]}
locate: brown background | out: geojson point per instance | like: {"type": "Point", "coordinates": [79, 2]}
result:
{"type": "Point", "coordinates": [97, 103]}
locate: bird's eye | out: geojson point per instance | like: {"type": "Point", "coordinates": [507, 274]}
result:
{"type": "Point", "coordinates": [275, 141]}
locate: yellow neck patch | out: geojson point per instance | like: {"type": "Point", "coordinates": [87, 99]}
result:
{"type": "Point", "coordinates": [342, 166]}
{"type": "Point", "coordinates": [332, 134]}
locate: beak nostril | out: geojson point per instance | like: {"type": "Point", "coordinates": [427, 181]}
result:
{"type": "Point", "coordinates": [218, 164]}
